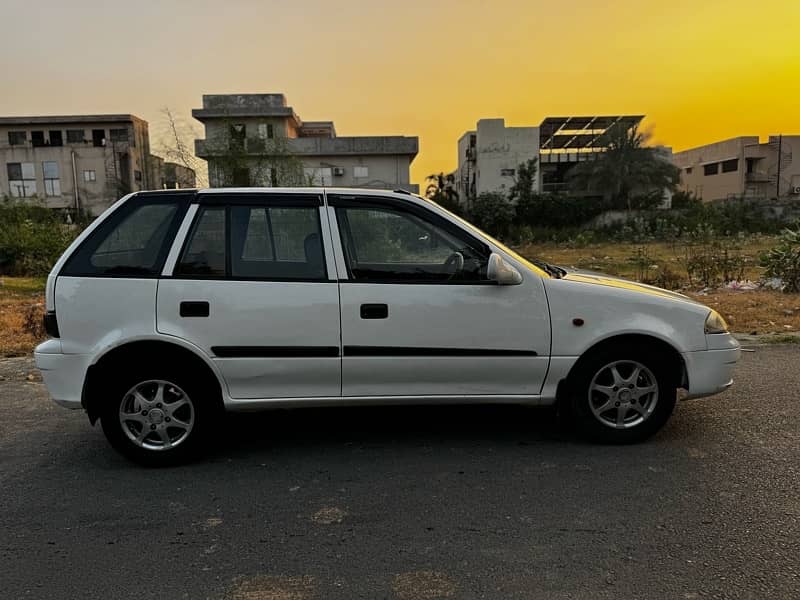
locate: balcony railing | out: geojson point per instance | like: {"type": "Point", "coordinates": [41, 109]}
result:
{"type": "Point", "coordinates": [313, 146]}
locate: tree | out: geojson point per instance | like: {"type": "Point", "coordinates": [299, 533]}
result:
{"type": "Point", "coordinates": [525, 185]}
{"type": "Point", "coordinates": [441, 190]}
{"type": "Point", "coordinates": [176, 144]}
{"type": "Point", "coordinates": [628, 170]}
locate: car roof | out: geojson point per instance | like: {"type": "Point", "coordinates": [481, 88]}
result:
{"type": "Point", "coordinates": [303, 190]}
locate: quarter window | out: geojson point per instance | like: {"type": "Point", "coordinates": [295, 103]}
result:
{"type": "Point", "coordinates": [387, 244]}
{"type": "Point", "coordinates": [132, 242]}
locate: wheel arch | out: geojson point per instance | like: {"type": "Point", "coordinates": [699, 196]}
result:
{"type": "Point", "coordinates": [147, 350]}
{"type": "Point", "coordinates": [677, 364]}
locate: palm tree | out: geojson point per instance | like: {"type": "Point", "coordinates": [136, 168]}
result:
{"type": "Point", "coordinates": [626, 169]}
{"type": "Point", "coordinates": [441, 190]}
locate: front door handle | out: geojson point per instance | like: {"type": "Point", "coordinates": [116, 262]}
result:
{"type": "Point", "coordinates": [374, 311]}
{"type": "Point", "coordinates": [194, 309]}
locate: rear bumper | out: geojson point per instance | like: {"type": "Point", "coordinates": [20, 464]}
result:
{"type": "Point", "coordinates": [63, 374]}
{"type": "Point", "coordinates": [710, 371]}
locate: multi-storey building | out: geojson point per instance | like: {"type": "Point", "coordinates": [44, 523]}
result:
{"type": "Point", "coordinates": [489, 155]}
{"type": "Point", "coordinates": [80, 162]}
{"type": "Point", "coordinates": [742, 167]}
{"type": "Point", "coordinates": [258, 140]}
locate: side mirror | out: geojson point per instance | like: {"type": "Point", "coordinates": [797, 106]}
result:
{"type": "Point", "coordinates": [502, 272]}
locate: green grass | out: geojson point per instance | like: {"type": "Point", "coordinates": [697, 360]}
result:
{"type": "Point", "coordinates": [784, 338]}
{"type": "Point", "coordinates": [22, 285]}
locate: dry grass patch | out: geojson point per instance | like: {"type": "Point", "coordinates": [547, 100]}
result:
{"type": "Point", "coordinates": [21, 312]}
{"type": "Point", "coordinates": [755, 312]}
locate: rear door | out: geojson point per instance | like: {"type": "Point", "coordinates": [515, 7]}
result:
{"type": "Point", "coordinates": [254, 287]}
{"type": "Point", "coordinates": [419, 316]}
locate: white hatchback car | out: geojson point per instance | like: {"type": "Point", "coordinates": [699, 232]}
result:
{"type": "Point", "coordinates": [174, 306]}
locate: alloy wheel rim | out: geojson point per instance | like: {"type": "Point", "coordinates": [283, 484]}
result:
{"type": "Point", "coordinates": [156, 415]}
{"type": "Point", "coordinates": [623, 394]}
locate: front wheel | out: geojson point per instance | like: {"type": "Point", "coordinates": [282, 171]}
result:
{"type": "Point", "coordinates": [623, 396]}
{"type": "Point", "coordinates": [157, 418]}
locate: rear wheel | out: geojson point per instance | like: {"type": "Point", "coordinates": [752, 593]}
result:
{"type": "Point", "coordinates": [157, 418]}
{"type": "Point", "coordinates": [624, 395]}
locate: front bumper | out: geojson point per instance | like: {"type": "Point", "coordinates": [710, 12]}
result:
{"type": "Point", "coordinates": [63, 374]}
{"type": "Point", "coordinates": [711, 371]}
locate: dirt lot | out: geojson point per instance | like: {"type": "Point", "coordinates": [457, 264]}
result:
{"type": "Point", "coordinates": [755, 312]}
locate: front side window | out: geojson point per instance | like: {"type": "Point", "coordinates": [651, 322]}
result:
{"type": "Point", "coordinates": [389, 244]}
{"type": "Point", "coordinates": [132, 242]}
{"type": "Point", "coordinates": [274, 243]}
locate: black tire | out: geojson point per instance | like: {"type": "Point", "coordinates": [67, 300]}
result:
{"type": "Point", "coordinates": [580, 401]}
{"type": "Point", "coordinates": [203, 397]}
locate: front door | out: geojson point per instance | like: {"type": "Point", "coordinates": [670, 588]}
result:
{"type": "Point", "coordinates": [252, 289]}
{"type": "Point", "coordinates": [420, 318]}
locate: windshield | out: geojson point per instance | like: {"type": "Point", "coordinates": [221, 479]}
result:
{"type": "Point", "coordinates": [539, 270]}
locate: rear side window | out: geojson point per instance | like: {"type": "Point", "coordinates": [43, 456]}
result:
{"type": "Point", "coordinates": [273, 243]}
{"type": "Point", "coordinates": [132, 242]}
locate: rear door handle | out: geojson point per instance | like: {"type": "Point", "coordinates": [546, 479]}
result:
{"type": "Point", "coordinates": [194, 309]}
{"type": "Point", "coordinates": [374, 311]}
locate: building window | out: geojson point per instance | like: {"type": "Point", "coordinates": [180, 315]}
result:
{"type": "Point", "coordinates": [137, 175]}
{"type": "Point", "coordinates": [688, 170]}
{"type": "Point", "coordinates": [118, 135]}
{"type": "Point", "coordinates": [17, 138]}
{"type": "Point", "coordinates": [711, 169]}
{"type": "Point", "coordinates": [56, 138]}
{"type": "Point", "coordinates": [318, 176]}
{"type": "Point", "coordinates": [729, 166]}
{"type": "Point", "coordinates": [37, 138]}
{"type": "Point", "coordinates": [89, 176]}
{"type": "Point", "coordinates": [21, 179]}
{"type": "Point", "coordinates": [238, 133]}
{"type": "Point", "coordinates": [266, 131]}
{"type": "Point", "coordinates": [52, 183]}
{"type": "Point", "coordinates": [98, 137]}
{"type": "Point", "coordinates": [360, 172]}
{"type": "Point", "coordinates": [507, 172]}
{"type": "Point", "coordinates": [241, 177]}
{"type": "Point", "coordinates": [75, 136]}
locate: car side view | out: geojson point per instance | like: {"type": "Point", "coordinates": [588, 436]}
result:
{"type": "Point", "coordinates": [174, 306]}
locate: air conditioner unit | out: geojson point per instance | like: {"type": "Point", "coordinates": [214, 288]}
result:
{"type": "Point", "coordinates": [338, 171]}
{"type": "Point", "coordinates": [796, 189]}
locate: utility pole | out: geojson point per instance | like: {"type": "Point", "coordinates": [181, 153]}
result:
{"type": "Point", "coordinates": [778, 182]}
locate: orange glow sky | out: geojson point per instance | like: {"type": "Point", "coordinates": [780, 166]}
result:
{"type": "Point", "coordinates": [701, 70]}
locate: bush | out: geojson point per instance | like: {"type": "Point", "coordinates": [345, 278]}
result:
{"type": "Point", "coordinates": [493, 213]}
{"type": "Point", "coordinates": [32, 237]}
{"type": "Point", "coordinates": [557, 211]}
{"type": "Point", "coordinates": [783, 261]}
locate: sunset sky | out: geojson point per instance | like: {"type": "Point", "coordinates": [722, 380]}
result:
{"type": "Point", "coordinates": [701, 70]}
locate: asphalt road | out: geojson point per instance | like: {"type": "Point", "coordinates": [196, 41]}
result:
{"type": "Point", "coordinates": [450, 502]}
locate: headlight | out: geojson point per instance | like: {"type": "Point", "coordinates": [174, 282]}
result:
{"type": "Point", "coordinates": [715, 323]}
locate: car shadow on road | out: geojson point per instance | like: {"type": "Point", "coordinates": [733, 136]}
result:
{"type": "Point", "coordinates": [395, 425]}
